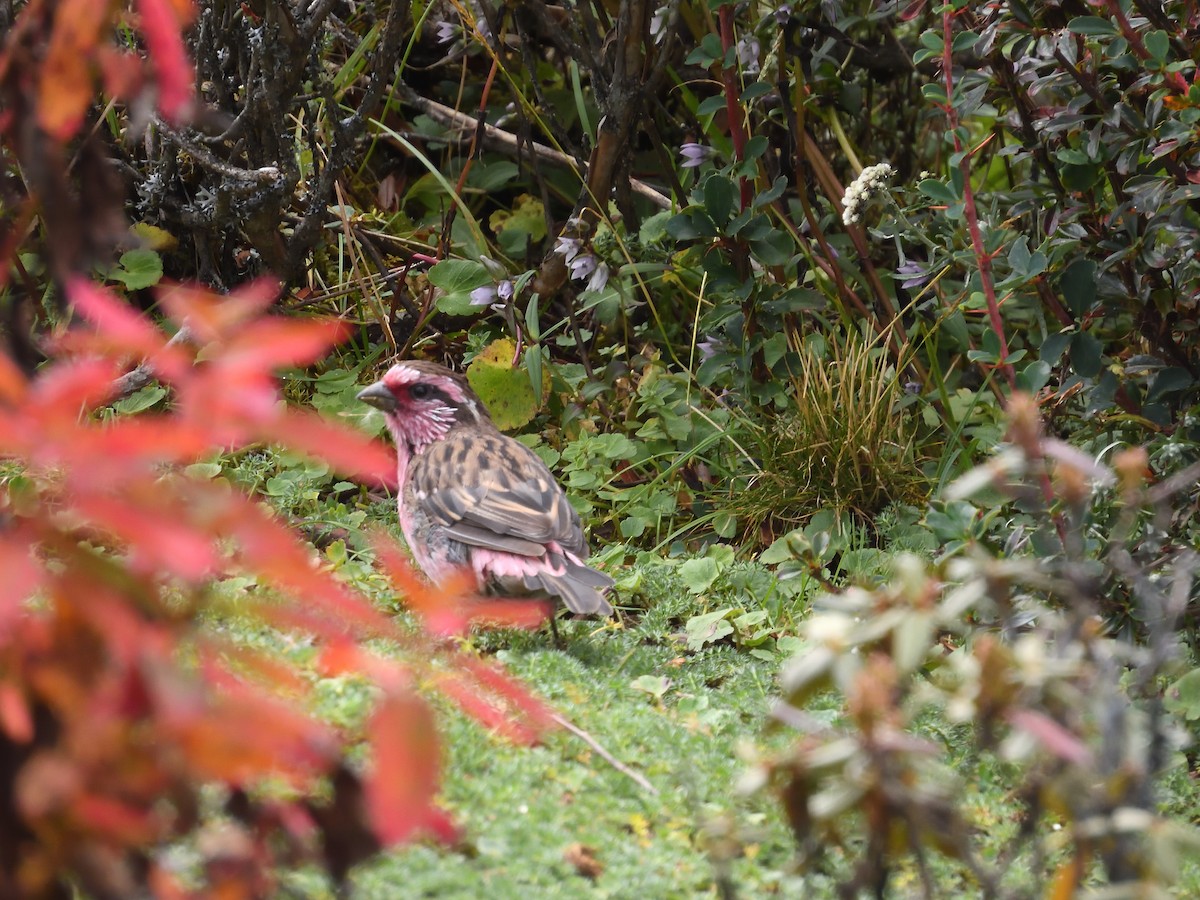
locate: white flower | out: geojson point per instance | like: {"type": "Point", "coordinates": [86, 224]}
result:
{"type": "Point", "coordinates": [599, 278]}
{"type": "Point", "coordinates": [872, 181]}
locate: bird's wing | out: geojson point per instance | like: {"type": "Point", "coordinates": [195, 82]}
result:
{"type": "Point", "coordinates": [491, 491]}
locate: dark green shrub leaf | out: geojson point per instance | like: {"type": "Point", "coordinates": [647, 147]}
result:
{"type": "Point", "coordinates": [1078, 285]}
{"type": "Point", "coordinates": [1086, 355]}
{"type": "Point", "coordinates": [1170, 381]}
{"type": "Point", "coordinates": [1034, 376]}
{"type": "Point", "coordinates": [1092, 25]}
{"type": "Point", "coordinates": [719, 195]}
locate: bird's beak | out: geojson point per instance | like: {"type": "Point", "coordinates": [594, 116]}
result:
{"type": "Point", "coordinates": [380, 396]}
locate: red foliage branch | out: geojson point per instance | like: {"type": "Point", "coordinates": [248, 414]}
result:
{"type": "Point", "coordinates": [117, 700]}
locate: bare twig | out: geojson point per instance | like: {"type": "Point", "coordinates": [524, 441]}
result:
{"type": "Point", "coordinates": [608, 757]}
{"type": "Point", "coordinates": [504, 142]}
{"type": "Point", "coordinates": [138, 378]}
{"type": "Point", "coordinates": [243, 181]}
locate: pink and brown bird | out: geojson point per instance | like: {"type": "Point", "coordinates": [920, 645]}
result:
{"type": "Point", "coordinates": [471, 497]}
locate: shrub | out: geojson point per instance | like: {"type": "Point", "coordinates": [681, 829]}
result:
{"type": "Point", "coordinates": [1005, 636]}
{"type": "Point", "coordinates": [121, 699]}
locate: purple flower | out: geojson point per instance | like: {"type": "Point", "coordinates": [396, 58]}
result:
{"type": "Point", "coordinates": [748, 51]}
{"type": "Point", "coordinates": [694, 155]}
{"type": "Point", "coordinates": [568, 247]}
{"type": "Point", "coordinates": [446, 32]}
{"type": "Point", "coordinates": [490, 293]}
{"type": "Point", "coordinates": [783, 14]}
{"type": "Point", "coordinates": [912, 275]}
{"type": "Point", "coordinates": [912, 387]}
{"type": "Point", "coordinates": [710, 346]}
{"type": "Point", "coordinates": [482, 296]}
{"type": "Point", "coordinates": [582, 266]}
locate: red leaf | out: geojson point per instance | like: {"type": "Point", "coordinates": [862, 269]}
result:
{"type": "Point", "coordinates": [157, 536]}
{"type": "Point", "coordinates": [116, 820]}
{"type": "Point", "coordinates": [403, 783]}
{"type": "Point", "coordinates": [487, 714]}
{"type": "Point", "coordinates": [122, 329]}
{"type": "Point", "coordinates": [272, 343]}
{"type": "Point", "coordinates": [212, 316]}
{"type": "Point", "coordinates": [16, 720]}
{"type": "Point", "coordinates": [120, 72]}
{"type": "Point", "coordinates": [21, 579]}
{"type": "Point", "coordinates": [65, 390]}
{"type": "Point", "coordinates": [13, 384]}
{"type": "Point", "coordinates": [443, 607]}
{"type": "Point", "coordinates": [348, 451]}
{"type": "Point", "coordinates": [161, 24]}
{"type": "Point", "coordinates": [128, 447]}
{"type": "Point", "coordinates": [514, 693]}
{"type": "Point", "coordinates": [114, 318]}
{"type": "Point", "coordinates": [245, 735]}
{"type": "Point", "coordinates": [65, 88]}
{"type": "Point", "coordinates": [270, 549]}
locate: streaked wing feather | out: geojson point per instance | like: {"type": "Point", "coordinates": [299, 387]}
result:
{"type": "Point", "coordinates": [501, 488]}
{"type": "Point", "coordinates": [490, 540]}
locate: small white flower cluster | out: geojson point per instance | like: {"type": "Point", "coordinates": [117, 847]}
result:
{"type": "Point", "coordinates": [873, 180]}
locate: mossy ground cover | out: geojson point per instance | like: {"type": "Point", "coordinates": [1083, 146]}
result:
{"type": "Point", "coordinates": [558, 820]}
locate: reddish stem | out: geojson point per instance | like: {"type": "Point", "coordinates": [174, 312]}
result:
{"type": "Point", "coordinates": [982, 258]}
{"type": "Point", "coordinates": [733, 109]}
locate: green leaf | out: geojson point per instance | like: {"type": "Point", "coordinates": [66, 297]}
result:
{"type": "Point", "coordinates": [654, 685]}
{"type": "Point", "coordinates": [1183, 697]}
{"type": "Point", "coordinates": [1169, 381]}
{"type": "Point", "coordinates": [1034, 376]}
{"type": "Point", "coordinates": [964, 40]}
{"type": "Point", "coordinates": [725, 524]}
{"type": "Point", "coordinates": [1092, 25]}
{"type": "Point", "coordinates": [756, 147]}
{"type": "Point", "coordinates": [699, 574]}
{"type": "Point", "coordinates": [775, 250]}
{"type": "Point", "coordinates": [784, 548]}
{"type": "Point", "coordinates": [138, 269]}
{"type": "Point", "coordinates": [457, 275]}
{"type": "Point", "coordinates": [505, 390]}
{"type": "Point", "coordinates": [1054, 346]}
{"type": "Point", "coordinates": [691, 224]}
{"type": "Point", "coordinates": [493, 176]}
{"type": "Point", "coordinates": [1086, 355]}
{"type": "Point", "coordinates": [708, 628]}
{"type": "Point", "coordinates": [1018, 255]}
{"type": "Point", "coordinates": [1158, 44]}
{"type": "Point", "coordinates": [719, 195]}
{"type": "Point", "coordinates": [140, 400]}
{"type": "Point", "coordinates": [938, 191]}
{"type": "Point", "coordinates": [1078, 285]}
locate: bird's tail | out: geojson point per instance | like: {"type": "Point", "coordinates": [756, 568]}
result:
{"type": "Point", "coordinates": [580, 588]}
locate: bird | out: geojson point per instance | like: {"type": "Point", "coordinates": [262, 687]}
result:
{"type": "Point", "coordinates": [471, 497]}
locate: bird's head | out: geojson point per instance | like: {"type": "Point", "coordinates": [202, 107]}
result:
{"type": "Point", "coordinates": [422, 402]}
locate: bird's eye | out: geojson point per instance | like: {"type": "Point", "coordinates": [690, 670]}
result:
{"type": "Point", "coordinates": [420, 391]}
